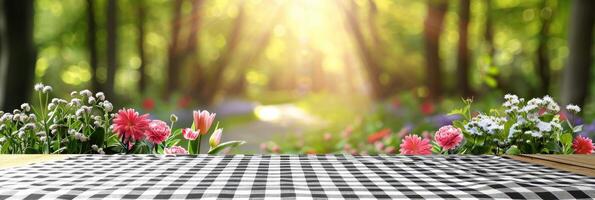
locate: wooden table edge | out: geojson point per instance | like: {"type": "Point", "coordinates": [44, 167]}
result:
{"type": "Point", "coordinates": [560, 164]}
{"type": "Point", "coordinates": [19, 160]}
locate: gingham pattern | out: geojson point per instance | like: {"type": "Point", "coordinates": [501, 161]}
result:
{"type": "Point", "coordinates": [290, 177]}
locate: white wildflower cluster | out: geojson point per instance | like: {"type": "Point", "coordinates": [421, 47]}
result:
{"type": "Point", "coordinates": [512, 103]}
{"type": "Point", "coordinates": [573, 108]}
{"type": "Point", "coordinates": [529, 116]}
{"type": "Point", "coordinates": [484, 124]}
{"type": "Point", "coordinates": [57, 121]}
{"type": "Point", "coordinates": [39, 87]}
{"type": "Point", "coordinates": [97, 149]}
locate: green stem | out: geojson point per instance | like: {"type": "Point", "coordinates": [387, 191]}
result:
{"type": "Point", "coordinates": [198, 145]}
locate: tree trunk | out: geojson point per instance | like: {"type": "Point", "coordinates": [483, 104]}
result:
{"type": "Point", "coordinates": [432, 29]}
{"type": "Point", "coordinates": [543, 64]}
{"type": "Point", "coordinates": [207, 94]}
{"type": "Point", "coordinates": [575, 83]}
{"type": "Point", "coordinates": [18, 53]}
{"type": "Point", "coordinates": [173, 65]}
{"type": "Point", "coordinates": [112, 60]}
{"type": "Point", "coordinates": [463, 50]}
{"type": "Point", "coordinates": [142, 84]}
{"type": "Point", "coordinates": [373, 68]}
{"type": "Point", "coordinates": [92, 44]}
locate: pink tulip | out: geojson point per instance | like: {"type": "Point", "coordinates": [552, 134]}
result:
{"type": "Point", "coordinates": [215, 138]}
{"type": "Point", "coordinates": [203, 120]}
{"type": "Point", "coordinates": [189, 134]}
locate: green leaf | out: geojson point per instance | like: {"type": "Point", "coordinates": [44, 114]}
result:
{"type": "Point", "coordinates": [513, 150]}
{"type": "Point", "coordinates": [547, 117]}
{"type": "Point", "coordinates": [98, 137]}
{"type": "Point", "coordinates": [490, 82]}
{"type": "Point", "coordinates": [459, 111]}
{"type": "Point", "coordinates": [566, 139]}
{"type": "Point", "coordinates": [222, 146]}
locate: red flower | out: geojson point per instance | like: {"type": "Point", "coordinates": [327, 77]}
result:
{"type": "Point", "coordinates": [129, 125]}
{"type": "Point", "coordinates": [582, 145]}
{"type": "Point", "coordinates": [379, 135]}
{"type": "Point", "coordinates": [414, 145]}
{"type": "Point", "coordinates": [203, 120]}
{"type": "Point", "coordinates": [148, 104]}
{"type": "Point", "coordinates": [427, 108]}
{"type": "Point", "coordinates": [184, 102]}
{"type": "Point", "coordinates": [158, 132]}
{"type": "Point", "coordinates": [563, 116]}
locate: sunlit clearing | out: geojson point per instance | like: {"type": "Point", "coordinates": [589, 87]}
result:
{"type": "Point", "coordinates": [267, 113]}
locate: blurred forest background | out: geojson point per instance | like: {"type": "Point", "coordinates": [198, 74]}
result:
{"type": "Point", "coordinates": [301, 74]}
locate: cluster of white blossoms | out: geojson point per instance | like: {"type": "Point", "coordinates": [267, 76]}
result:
{"type": "Point", "coordinates": [76, 118]}
{"type": "Point", "coordinates": [527, 115]}
{"type": "Point", "coordinates": [485, 124]}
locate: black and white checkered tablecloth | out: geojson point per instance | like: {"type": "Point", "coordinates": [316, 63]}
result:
{"type": "Point", "coordinates": [290, 176]}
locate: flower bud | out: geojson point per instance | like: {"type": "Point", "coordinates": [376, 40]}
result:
{"type": "Point", "coordinates": [173, 118]}
{"type": "Point", "coordinates": [25, 107]}
{"type": "Point", "coordinates": [38, 87]}
{"type": "Point", "coordinates": [100, 96]}
{"type": "Point", "coordinates": [215, 138]}
{"type": "Point", "coordinates": [47, 89]}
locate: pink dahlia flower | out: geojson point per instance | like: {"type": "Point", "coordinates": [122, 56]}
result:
{"type": "Point", "coordinates": [203, 120]}
{"type": "Point", "coordinates": [158, 132]}
{"type": "Point", "coordinates": [175, 150]}
{"type": "Point", "coordinates": [415, 145]}
{"type": "Point", "coordinates": [189, 134]}
{"type": "Point", "coordinates": [582, 145]}
{"type": "Point", "coordinates": [448, 137]}
{"type": "Point", "coordinates": [129, 125]}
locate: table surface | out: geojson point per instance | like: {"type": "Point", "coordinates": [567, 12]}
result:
{"type": "Point", "coordinates": [580, 164]}
{"type": "Point", "coordinates": [295, 176]}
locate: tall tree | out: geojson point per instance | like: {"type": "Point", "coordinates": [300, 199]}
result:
{"type": "Point", "coordinates": [17, 58]}
{"type": "Point", "coordinates": [371, 62]}
{"type": "Point", "coordinates": [575, 83]}
{"type": "Point", "coordinates": [173, 67]}
{"type": "Point", "coordinates": [142, 84]}
{"type": "Point", "coordinates": [112, 56]}
{"type": "Point", "coordinates": [179, 51]}
{"type": "Point", "coordinates": [432, 29]}
{"type": "Point", "coordinates": [543, 60]}
{"type": "Point", "coordinates": [92, 44]}
{"type": "Point", "coordinates": [463, 50]}
{"type": "Point", "coordinates": [198, 87]}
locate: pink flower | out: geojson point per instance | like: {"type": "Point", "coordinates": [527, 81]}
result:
{"type": "Point", "coordinates": [582, 145]}
{"type": "Point", "coordinates": [215, 138]}
{"type": "Point", "coordinates": [158, 132]}
{"type": "Point", "coordinates": [130, 125]}
{"type": "Point", "coordinates": [189, 134]}
{"type": "Point", "coordinates": [203, 120]}
{"type": "Point", "coordinates": [448, 137]}
{"type": "Point", "coordinates": [415, 145]}
{"type": "Point", "coordinates": [175, 150]}
{"type": "Point", "coordinates": [327, 137]}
